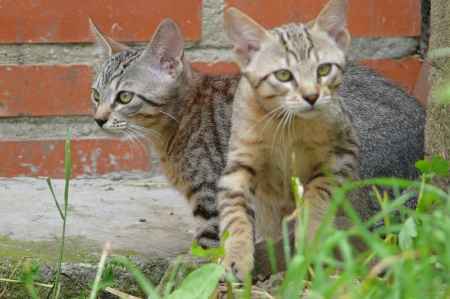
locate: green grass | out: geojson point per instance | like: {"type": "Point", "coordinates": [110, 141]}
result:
{"type": "Point", "coordinates": [409, 257]}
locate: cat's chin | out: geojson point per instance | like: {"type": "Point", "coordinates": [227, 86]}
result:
{"type": "Point", "coordinates": [310, 114]}
{"type": "Point", "coordinates": [306, 112]}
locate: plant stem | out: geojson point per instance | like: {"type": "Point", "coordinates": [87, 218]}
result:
{"type": "Point", "coordinates": [44, 285]}
{"type": "Point", "coordinates": [101, 268]}
{"type": "Point", "coordinates": [67, 175]}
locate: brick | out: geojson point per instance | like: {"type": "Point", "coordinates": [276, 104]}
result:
{"type": "Point", "coordinates": [366, 18]}
{"type": "Point", "coordinates": [49, 21]}
{"type": "Point", "coordinates": [216, 68]}
{"type": "Point", "coordinates": [423, 86]}
{"type": "Point", "coordinates": [405, 72]}
{"type": "Point", "coordinates": [44, 90]}
{"type": "Point", "coordinates": [89, 156]}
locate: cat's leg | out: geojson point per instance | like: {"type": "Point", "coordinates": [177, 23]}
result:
{"type": "Point", "coordinates": [343, 164]}
{"type": "Point", "coordinates": [317, 197]}
{"type": "Point", "coordinates": [237, 217]}
{"type": "Point", "coordinates": [202, 198]}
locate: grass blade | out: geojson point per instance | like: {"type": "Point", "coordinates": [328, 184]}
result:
{"type": "Point", "coordinates": [144, 284]}
{"type": "Point", "coordinates": [272, 256]}
{"type": "Point", "coordinates": [50, 186]}
{"type": "Point", "coordinates": [101, 268]}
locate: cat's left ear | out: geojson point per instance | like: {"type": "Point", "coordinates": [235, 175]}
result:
{"type": "Point", "coordinates": [105, 44]}
{"type": "Point", "coordinates": [166, 47]}
{"type": "Point", "coordinates": [333, 20]}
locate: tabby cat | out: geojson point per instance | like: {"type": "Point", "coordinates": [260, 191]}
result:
{"type": "Point", "coordinates": [154, 93]}
{"type": "Point", "coordinates": [288, 120]}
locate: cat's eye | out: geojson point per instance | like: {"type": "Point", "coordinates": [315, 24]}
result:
{"type": "Point", "coordinates": [96, 96]}
{"type": "Point", "coordinates": [324, 69]}
{"type": "Point", "coordinates": [284, 75]}
{"type": "Point", "coordinates": [125, 97]}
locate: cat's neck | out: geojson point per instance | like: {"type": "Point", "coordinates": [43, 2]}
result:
{"type": "Point", "coordinates": [189, 86]}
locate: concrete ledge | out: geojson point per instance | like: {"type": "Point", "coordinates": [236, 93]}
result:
{"type": "Point", "coordinates": [362, 48]}
{"type": "Point", "coordinates": [139, 215]}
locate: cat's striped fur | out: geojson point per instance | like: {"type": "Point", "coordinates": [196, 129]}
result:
{"type": "Point", "coordinates": [285, 124]}
{"type": "Point", "coordinates": [185, 114]}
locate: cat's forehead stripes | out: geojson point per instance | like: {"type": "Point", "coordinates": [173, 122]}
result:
{"type": "Point", "coordinates": [297, 41]}
{"type": "Point", "coordinates": [115, 66]}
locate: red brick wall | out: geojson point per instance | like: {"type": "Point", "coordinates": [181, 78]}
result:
{"type": "Point", "coordinates": [51, 90]}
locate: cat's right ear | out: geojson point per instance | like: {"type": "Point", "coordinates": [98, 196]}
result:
{"type": "Point", "coordinates": [105, 44]}
{"type": "Point", "coordinates": [246, 35]}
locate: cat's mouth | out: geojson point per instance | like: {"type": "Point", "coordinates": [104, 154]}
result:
{"type": "Point", "coordinates": [302, 109]}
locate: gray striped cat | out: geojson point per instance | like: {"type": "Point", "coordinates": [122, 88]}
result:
{"type": "Point", "coordinates": [154, 93]}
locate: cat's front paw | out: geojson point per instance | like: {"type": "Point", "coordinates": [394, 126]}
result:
{"type": "Point", "coordinates": [238, 258]}
{"type": "Point", "coordinates": [207, 235]}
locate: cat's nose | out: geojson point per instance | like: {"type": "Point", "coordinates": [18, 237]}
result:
{"type": "Point", "coordinates": [100, 122]}
{"type": "Point", "coordinates": [311, 98]}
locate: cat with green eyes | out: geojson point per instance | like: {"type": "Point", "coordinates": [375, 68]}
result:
{"type": "Point", "coordinates": [153, 94]}
{"type": "Point", "coordinates": [291, 118]}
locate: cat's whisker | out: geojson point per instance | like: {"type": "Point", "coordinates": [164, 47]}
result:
{"type": "Point", "coordinates": [291, 130]}
{"type": "Point", "coordinates": [266, 118]}
{"type": "Point", "coordinates": [270, 116]}
{"type": "Point", "coordinates": [129, 137]}
{"type": "Point", "coordinates": [285, 136]}
{"type": "Point", "coordinates": [169, 115]}
{"type": "Point", "coordinates": [137, 141]}
{"type": "Point", "coordinates": [278, 127]}
{"type": "Point", "coordinates": [144, 143]}
{"type": "Point", "coordinates": [144, 131]}
{"type": "Point", "coordinates": [143, 135]}
{"type": "Point", "coordinates": [143, 139]}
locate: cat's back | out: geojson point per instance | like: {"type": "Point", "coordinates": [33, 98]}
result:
{"type": "Point", "coordinates": [205, 121]}
{"type": "Point", "coordinates": [214, 95]}
{"type": "Point", "coordinates": [390, 123]}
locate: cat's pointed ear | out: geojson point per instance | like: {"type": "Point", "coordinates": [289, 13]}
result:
{"type": "Point", "coordinates": [105, 44]}
{"type": "Point", "coordinates": [333, 20]}
{"type": "Point", "coordinates": [246, 35]}
{"type": "Point", "coordinates": [166, 47]}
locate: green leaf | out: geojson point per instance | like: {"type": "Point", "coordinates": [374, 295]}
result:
{"type": "Point", "coordinates": [437, 166]}
{"type": "Point", "coordinates": [407, 234]}
{"type": "Point", "coordinates": [440, 166]}
{"type": "Point", "coordinates": [213, 254]}
{"type": "Point", "coordinates": [423, 166]}
{"type": "Point", "coordinates": [210, 253]}
{"type": "Point", "coordinates": [200, 284]}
